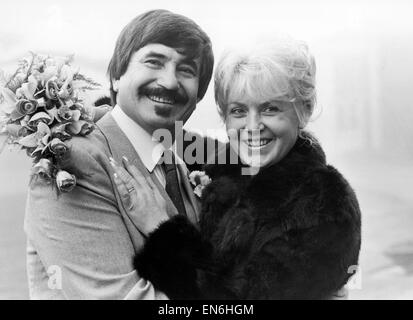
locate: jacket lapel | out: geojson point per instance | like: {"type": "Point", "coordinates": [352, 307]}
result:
{"type": "Point", "coordinates": [193, 215]}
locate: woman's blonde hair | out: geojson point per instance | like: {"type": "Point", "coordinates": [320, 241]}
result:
{"type": "Point", "coordinates": [285, 70]}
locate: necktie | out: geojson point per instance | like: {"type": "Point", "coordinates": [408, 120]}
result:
{"type": "Point", "coordinates": [172, 183]}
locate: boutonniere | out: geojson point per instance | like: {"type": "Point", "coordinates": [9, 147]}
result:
{"type": "Point", "coordinates": [199, 179]}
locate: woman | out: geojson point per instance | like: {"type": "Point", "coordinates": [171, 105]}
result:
{"type": "Point", "coordinates": [280, 223]}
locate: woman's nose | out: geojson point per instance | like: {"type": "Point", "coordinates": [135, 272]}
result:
{"type": "Point", "coordinates": [168, 79]}
{"type": "Point", "coordinates": [254, 122]}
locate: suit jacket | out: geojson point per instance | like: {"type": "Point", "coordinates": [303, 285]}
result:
{"type": "Point", "coordinates": [81, 244]}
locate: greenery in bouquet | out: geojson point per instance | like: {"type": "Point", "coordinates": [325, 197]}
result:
{"type": "Point", "coordinates": [40, 109]}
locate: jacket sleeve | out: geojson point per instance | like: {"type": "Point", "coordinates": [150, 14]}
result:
{"type": "Point", "coordinates": [82, 235]}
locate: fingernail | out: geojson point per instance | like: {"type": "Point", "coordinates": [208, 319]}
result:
{"type": "Point", "coordinates": [112, 162]}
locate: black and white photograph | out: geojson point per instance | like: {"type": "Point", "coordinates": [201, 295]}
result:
{"type": "Point", "coordinates": [206, 150]}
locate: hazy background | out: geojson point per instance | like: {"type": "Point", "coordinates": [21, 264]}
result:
{"type": "Point", "coordinates": [364, 54]}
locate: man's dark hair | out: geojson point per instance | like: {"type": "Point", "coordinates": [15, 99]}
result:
{"type": "Point", "coordinates": [167, 28]}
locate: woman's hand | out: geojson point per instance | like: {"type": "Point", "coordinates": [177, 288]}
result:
{"type": "Point", "coordinates": [140, 197]}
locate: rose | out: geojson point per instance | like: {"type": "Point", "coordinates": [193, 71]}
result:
{"type": "Point", "coordinates": [28, 89]}
{"type": "Point", "coordinates": [59, 131]}
{"type": "Point", "coordinates": [199, 177]}
{"type": "Point", "coordinates": [15, 83]}
{"type": "Point", "coordinates": [66, 91]}
{"type": "Point", "coordinates": [27, 106]}
{"type": "Point", "coordinates": [66, 75]}
{"type": "Point", "coordinates": [39, 138]}
{"type": "Point", "coordinates": [198, 190]}
{"type": "Point", "coordinates": [57, 147]}
{"type": "Point", "coordinates": [16, 130]}
{"type": "Point", "coordinates": [43, 169]}
{"type": "Point", "coordinates": [39, 117]}
{"type": "Point", "coordinates": [80, 127]}
{"type": "Point", "coordinates": [48, 73]}
{"type": "Point", "coordinates": [24, 107]}
{"type": "Point", "coordinates": [65, 181]}
{"type": "Point", "coordinates": [52, 89]}
{"type": "Point", "coordinates": [67, 114]}
{"type": "Point", "coordinates": [200, 180]}
{"type": "Point", "coordinates": [25, 121]}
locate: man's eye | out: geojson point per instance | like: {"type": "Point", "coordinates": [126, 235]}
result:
{"type": "Point", "coordinates": [188, 70]}
{"type": "Point", "coordinates": [153, 62]}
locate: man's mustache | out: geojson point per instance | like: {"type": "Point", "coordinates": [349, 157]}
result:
{"type": "Point", "coordinates": [174, 95]}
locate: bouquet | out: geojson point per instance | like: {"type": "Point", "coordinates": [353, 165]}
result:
{"type": "Point", "coordinates": [40, 109]}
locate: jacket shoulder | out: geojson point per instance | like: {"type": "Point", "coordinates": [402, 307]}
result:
{"type": "Point", "coordinates": [86, 153]}
{"type": "Point", "coordinates": [337, 196]}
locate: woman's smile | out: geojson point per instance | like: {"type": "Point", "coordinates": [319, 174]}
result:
{"type": "Point", "coordinates": [260, 143]}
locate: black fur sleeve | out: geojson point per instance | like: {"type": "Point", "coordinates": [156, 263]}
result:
{"type": "Point", "coordinates": [310, 265]}
{"type": "Point", "coordinates": [171, 256]}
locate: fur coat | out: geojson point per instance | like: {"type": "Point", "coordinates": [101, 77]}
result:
{"type": "Point", "coordinates": [292, 231]}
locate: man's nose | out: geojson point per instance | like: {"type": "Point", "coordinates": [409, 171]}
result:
{"type": "Point", "coordinates": [168, 79]}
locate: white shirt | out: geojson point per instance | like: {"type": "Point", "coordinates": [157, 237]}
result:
{"type": "Point", "coordinates": [149, 150]}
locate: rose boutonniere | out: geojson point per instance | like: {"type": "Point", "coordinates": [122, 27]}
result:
{"type": "Point", "coordinates": [199, 179]}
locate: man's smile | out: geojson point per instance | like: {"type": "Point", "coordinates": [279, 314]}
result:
{"type": "Point", "coordinates": [164, 96]}
{"type": "Point", "coordinates": [161, 99]}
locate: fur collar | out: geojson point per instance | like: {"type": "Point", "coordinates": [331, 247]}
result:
{"type": "Point", "coordinates": [305, 153]}
{"type": "Point", "coordinates": [268, 191]}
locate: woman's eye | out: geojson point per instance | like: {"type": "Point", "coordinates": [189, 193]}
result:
{"type": "Point", "coordinates": [271, 109]}
{"type": "Point", "coordinates": [237, 112]}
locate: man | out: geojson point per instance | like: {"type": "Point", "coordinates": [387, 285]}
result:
{"type": "Point", "coordinates": [82, 243]}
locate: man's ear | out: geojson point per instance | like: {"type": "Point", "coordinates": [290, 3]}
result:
{"type": "Point", "coordinates": [115, 85]}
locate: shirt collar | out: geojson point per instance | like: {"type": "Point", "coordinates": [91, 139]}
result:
{"type": "Point", "coordinates": [149, 150]}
